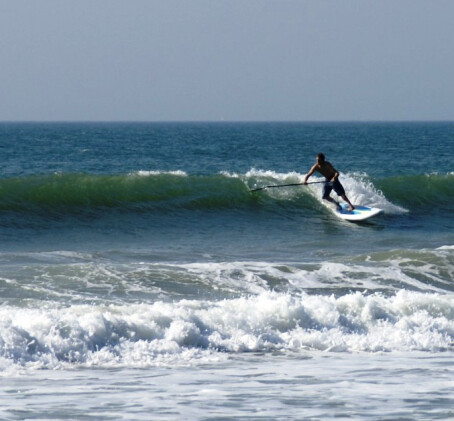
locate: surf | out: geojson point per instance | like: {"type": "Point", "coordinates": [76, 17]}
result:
{"type": "Point", "coordinates": [359, 187]}
{"type": "Point", "coordinates": [141, 189]}
{"type": "Point", "coordinates": [196, 331]}
{"type": "Point", "coordinates": [421, 190]}
{"type": "Point", "coordinates": [169, 191]}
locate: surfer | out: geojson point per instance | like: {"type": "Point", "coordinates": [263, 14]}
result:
{"type": "Point", "coordinates": [332, 180]}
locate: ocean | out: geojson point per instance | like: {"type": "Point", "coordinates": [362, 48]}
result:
{"type": "Point", "coordinates": [141, 279]}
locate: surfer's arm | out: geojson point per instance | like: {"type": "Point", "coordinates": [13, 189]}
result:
{"type": "Point", "coordinates": [311, 171]}
{"type": "Point", "coordinates": [335, 176]}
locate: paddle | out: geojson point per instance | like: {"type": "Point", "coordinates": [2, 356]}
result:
{"type": "Point", "coordinates": [287, 185]}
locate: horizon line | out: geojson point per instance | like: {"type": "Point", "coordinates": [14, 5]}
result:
{"type": "Point", "coordinates": [222, 121]}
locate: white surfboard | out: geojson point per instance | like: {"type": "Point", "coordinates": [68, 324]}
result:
{"type": "Point", "coordinates": [360, 213]}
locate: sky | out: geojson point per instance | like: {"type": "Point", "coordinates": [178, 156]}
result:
{"type": "Point", "coordinates": [226, 60]}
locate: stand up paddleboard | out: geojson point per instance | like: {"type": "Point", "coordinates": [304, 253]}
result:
{"type": "Point", "coordinates": [360, 213]}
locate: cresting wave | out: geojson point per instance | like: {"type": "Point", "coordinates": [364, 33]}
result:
{"type": "Point", "coordinates": [71, 311]}
{"type": "Point", "coordinates": [191, 332]}
{"type": "Point", "coordinates": [420, 190]}
{"type": "Point", "coordinates": [143, 189]}
{"type": "Point", "coordinates": [359, 188]}
{"type": "Point", "coordinates": [177, 190]}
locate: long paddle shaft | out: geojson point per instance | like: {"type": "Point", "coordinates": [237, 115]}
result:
{"type": "Point", "coordinates": [287, 185]}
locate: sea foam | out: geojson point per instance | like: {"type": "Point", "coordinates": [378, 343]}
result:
{"type": "Point", "coordinates": [359, 188]}
{"type": "Point", "coordinates": [192, 332]}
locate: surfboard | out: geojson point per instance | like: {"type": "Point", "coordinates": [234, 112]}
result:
{"type": "Point", "coordinates": [360, 213]}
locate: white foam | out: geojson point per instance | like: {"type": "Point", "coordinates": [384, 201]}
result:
{"type": "Point", "coordinates": [144, 173]}
{"type": "Point", "coordinates": [192, 332]}
{"type": "Point", "coordinates": [75, 278]}
{"type": "Point", "coordinates": [359, 189]}
{"type": "Point", "coordinates": [229, 174]}
{"type": "Point", "coordinates": [274, 176]}
{"type": "Point", "coordinates": [391, 272]}
{"type": "Point", "coordinates": [253, 172]}
{"type": "Point", "coordinates": [446, 248]}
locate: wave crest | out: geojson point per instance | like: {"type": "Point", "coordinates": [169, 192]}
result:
{"type": "Point", "coordinates": [155, 190]}
{"type": "Point", "coordinates": [150, 334]}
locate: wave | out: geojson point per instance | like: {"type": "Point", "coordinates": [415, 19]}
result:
{"type": "Point", "coordinates": [113, 277]}
{"type": "Point", "coordinates": [177, 190]}
{"type": "Point", "coordinates": [189, 331]}
{"type": "Point", "coordinates": [420, 191]}
{"type": "Point", "coordinates": [142, 189]}
{"type": "Point", "coordinates": [69, 310]}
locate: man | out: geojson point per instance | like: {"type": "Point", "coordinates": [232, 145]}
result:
{"type": "Point", "coordinates": [332, 180]}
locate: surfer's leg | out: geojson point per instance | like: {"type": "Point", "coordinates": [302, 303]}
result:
{"type": "Point", "coordinates": [350, 206]}
{"type": "Point", "coordinates": [339, 189]}
{"type": "Point", "coordinates": [327, 187]}
{"type": "Point", "coordinates": [330, 199]}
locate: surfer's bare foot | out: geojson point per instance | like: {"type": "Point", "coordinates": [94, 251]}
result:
{"type": "Point", "coordinates": [351, 208]}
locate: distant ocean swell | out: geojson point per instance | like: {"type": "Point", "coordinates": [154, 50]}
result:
{"type": "Point", "coordinates": [175, 190]}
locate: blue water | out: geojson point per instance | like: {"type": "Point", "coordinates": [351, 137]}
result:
{"type": "Point", "coordinates": [137, 251]}
{"type": "Point", "coordinates": [379, 149]}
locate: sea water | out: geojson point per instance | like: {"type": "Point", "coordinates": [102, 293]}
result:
{"type": "Point", "coordinates": [140, 278]}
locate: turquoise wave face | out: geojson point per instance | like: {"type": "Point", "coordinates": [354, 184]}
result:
{"type": "Point", "coordinates": [420, 191]}
{"type": "Point", "coordinates": [66, 192]}
{"type": "Point", "coordinates": [176, 190]}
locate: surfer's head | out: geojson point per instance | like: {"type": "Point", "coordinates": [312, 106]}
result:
{"type": "Point", "coordinates": [320, 158]}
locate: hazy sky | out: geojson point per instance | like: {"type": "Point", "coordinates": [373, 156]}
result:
{"type": "Point", "coordinates": [160, 60]}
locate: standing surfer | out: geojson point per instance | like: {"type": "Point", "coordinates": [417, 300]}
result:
{"type": "Point", "coordinates": [332, 180]}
